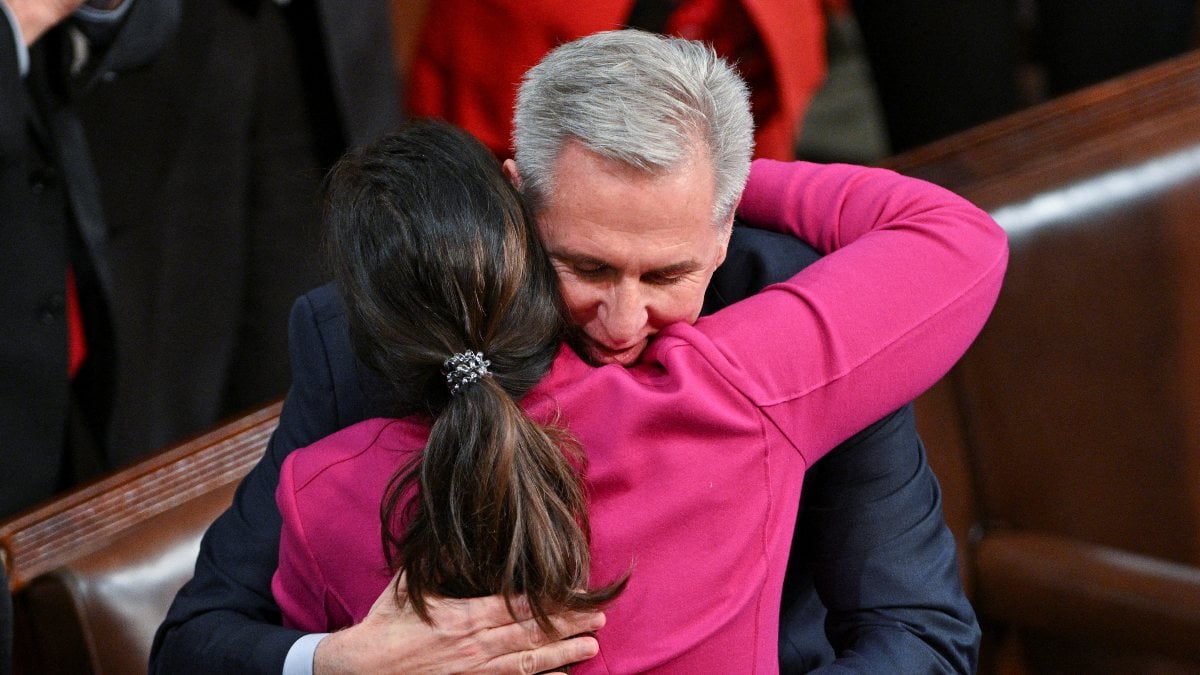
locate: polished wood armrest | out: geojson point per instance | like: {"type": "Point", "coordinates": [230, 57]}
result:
{"type": "Point", "coordinates": [88, 518]}
{"type": "Point", "coordinates": [93, 571]}
{"type": "Point", "coordinates": [1073, 589]}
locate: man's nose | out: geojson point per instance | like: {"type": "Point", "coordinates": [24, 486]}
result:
{"type": "Point", "coordinates": [623, 314]}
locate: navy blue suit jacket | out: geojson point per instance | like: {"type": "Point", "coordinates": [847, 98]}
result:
{"type": "Point", "coordinates": [872, 579]}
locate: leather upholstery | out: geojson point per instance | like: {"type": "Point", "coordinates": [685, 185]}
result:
{"type": "Point", "coordinates": [1068, 438]}
{"type": "Point", "coordinates": [94, 571]}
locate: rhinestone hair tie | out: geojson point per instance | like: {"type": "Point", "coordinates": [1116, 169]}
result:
{"type": "Point", "coordinates": [464, 369]}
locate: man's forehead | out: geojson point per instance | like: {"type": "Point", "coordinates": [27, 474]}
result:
{"type": "Point", "coordinates": [601, 214]}
{"type": "Point", "coordinates": [619, 250]}
{"type": "Point", "coordinates": [640, 262]}
{"type": "Point", "coordinates": [625, 235]}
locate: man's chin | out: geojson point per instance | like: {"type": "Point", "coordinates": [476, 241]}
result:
{"type": "Point", "coordinates": [599, 355]}
{"type": "Point", "coordinates": [624, 357]}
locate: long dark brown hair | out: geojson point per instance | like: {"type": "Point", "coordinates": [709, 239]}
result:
{"type": "Point", "coordinates": [435, 254]}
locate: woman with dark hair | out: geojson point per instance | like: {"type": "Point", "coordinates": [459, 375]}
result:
{"type": "Point", "coordinates": [666, 491]}
{"type": "Point", "coordinates": [435, 258]}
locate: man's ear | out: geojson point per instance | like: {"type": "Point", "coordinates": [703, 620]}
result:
{"type": "Point", "coordinates": [725, 232]}
{"type": "Point", "coordinates": [732, 215]}
{"type": "Point", "coordinates": [510, 170]}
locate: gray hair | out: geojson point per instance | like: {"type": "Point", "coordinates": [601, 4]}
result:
{"type": "Point", "coordinates": [647, 101]}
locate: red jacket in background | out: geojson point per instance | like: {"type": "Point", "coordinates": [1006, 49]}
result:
{"type": "Point", "coordinates": [472, 53]}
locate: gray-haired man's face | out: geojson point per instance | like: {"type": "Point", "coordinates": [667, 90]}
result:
{"type": "Point", "coordinates": [633, 253]}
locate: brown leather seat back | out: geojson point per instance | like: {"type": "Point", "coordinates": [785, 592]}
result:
{"type": "Point", "coordinates": [94, 571]}
{"type": "Point", "coordinates": [115, 598]}
{"type": "Point", "coordinates": [1079, 404]}
{"type": "Point", "coordinates": [1081, 393]}
{"type": "Point", "coordinates": [1068, 438]}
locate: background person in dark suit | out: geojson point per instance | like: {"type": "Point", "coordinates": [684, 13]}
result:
{"type": "Point", "coordinates": [56, 358]}
{"type": "Point", "coordinates": [209, 161]}
{"type": "Point", "coordinates": [876, 551]}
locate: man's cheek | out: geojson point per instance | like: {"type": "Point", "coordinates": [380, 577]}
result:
{"type": "Point", "coordinates": [684, 305]}
{"type": "Point", "coordinates": [577, 301]}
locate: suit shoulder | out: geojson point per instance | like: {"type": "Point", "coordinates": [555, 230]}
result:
{"type": "Point", "coordinates": [322, 304]}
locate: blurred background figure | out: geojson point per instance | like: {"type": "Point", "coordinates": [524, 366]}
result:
{"type": "Point", "coordinates": [6, 624]}
{"type": "Point", "coordinates": [465, 58]}
{"type": "Point", "coordinates": [56, 285]}
{"type": "Point", "coordinates": [941, 66]}
{"type": "Point", "coordinates": [209, 163]}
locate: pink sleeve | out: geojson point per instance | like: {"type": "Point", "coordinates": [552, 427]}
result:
{"type": "Point", "coordinates": [871, 325]}
{"type": "Point", "coordinates": [832, 205]}
{"type": "Point", "coordinates": [298, 585]}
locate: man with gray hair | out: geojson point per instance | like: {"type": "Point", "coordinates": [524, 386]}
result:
{"type": "Point", "coordinates": [633, 150]}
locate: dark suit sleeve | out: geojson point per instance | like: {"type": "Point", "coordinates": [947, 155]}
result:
{"type": "Point", "coordinates": [872, 582]}
{"type": "Point", "coordinates": [881, 558]}
{"type": "Point", "coordinates": [225, 619]}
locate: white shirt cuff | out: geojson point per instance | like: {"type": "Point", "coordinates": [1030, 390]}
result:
{"type": "Point", "coordinates": [89, 13]}
{"type": "Point", "coordinates": [22, 50]}
{"type": "Point", "coordinates": [299, 659]}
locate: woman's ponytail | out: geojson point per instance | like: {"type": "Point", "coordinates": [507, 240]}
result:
{"type": "Point", "coordinates": [500, 509]}
{"type": "Point", "coordinates": [450, 297]}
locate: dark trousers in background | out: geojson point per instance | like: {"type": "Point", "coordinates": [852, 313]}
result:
{"type": "Point", "coordinates": [209, 162]}
{"type": "Point", "coordinates": [942, 66]}
{"type": "Point", "coordinates": [6, 623]}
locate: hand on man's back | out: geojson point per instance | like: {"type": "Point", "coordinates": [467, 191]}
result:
{"type": "Point", "coordinates": [475, 635]}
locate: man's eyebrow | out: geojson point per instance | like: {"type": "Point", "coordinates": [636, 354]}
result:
{"type": "Point", "coordinates": [681, 267]}
{"type": "Point", "coordinates": [577, 258]}
{"type": "Point", "coordinates": [677, 268]}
